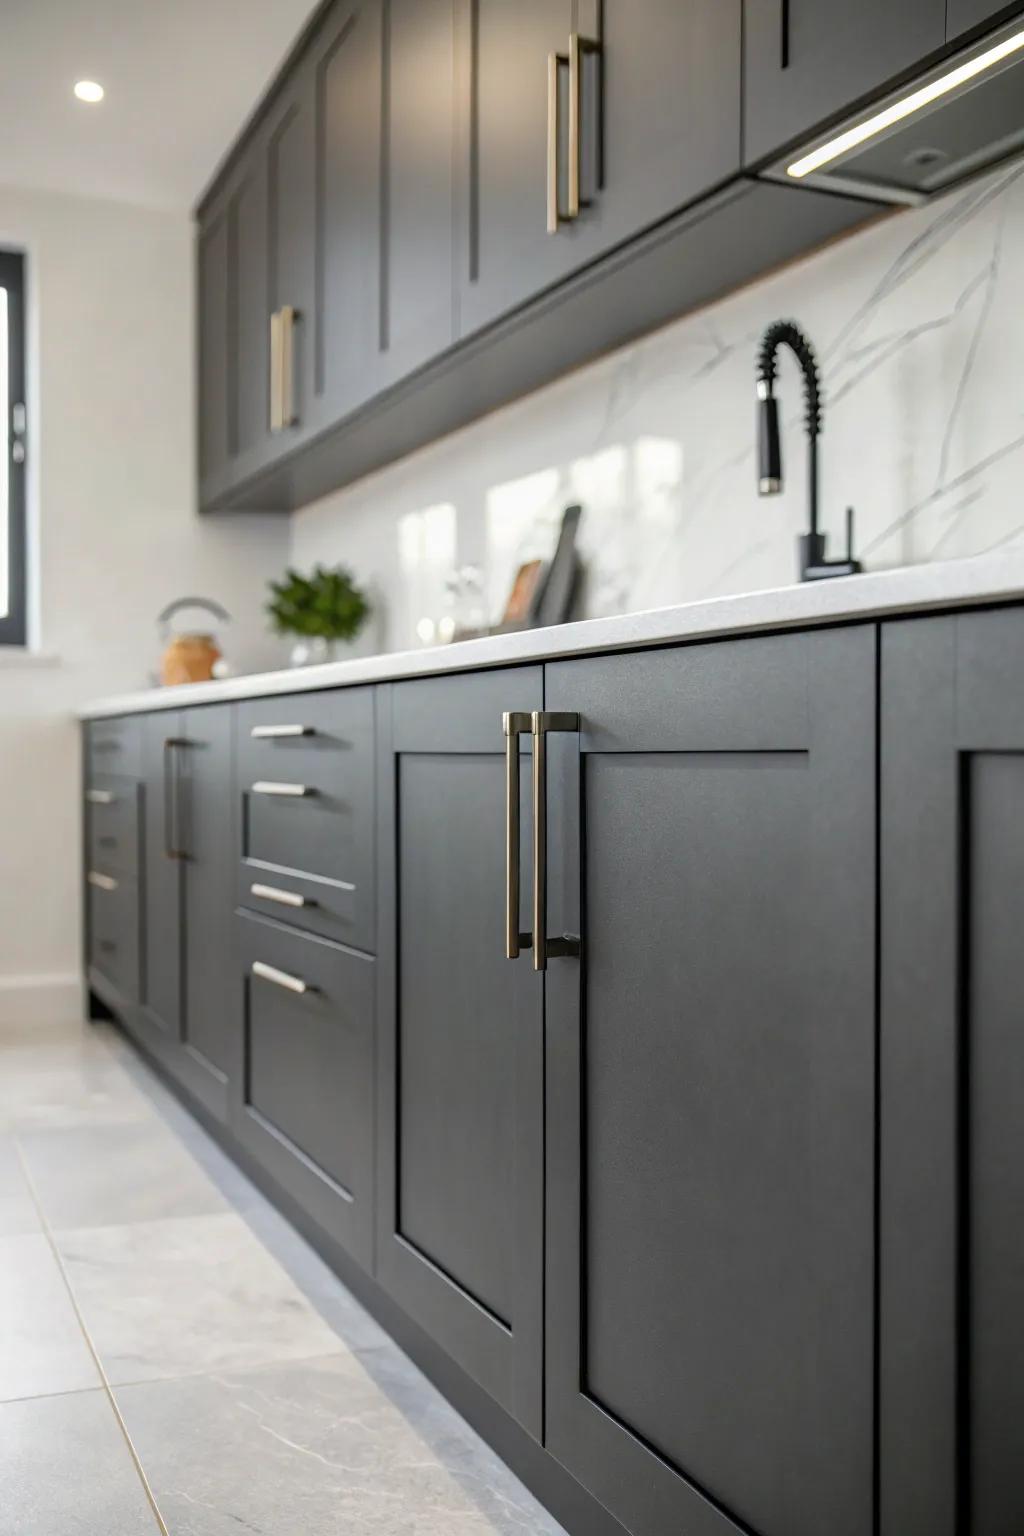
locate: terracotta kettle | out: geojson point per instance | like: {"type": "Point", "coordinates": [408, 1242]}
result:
{"type": "Point", "coordinates": [190, 656]}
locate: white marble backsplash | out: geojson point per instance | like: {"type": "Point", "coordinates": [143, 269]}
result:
{"type": "Point", "coordinates": [918, 321]}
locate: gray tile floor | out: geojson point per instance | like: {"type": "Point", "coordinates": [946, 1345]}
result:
{"type": "Point", "coordinates": [174, 1357]}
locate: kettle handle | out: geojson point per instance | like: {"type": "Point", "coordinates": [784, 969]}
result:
{"type": "Point", "coordinates": [164, 618]}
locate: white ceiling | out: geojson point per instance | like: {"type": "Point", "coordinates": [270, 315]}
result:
{"type": "Point", "coordinates": [181, 76]}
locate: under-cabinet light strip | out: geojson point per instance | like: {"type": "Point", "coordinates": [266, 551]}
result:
{"type": "Point", "coordinates": [906, 107]}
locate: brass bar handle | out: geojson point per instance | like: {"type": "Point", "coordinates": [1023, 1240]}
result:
{"type": "Point", "coordinates": [271, 732]}
{"type": "Point", "coordinates": [288, 317]}
{"type": "Point", "coordinates": [514, 724]}
{"type": "Point", "coordinates": [554, 212]}
{"type": "Point", "coordinates": [276, 408]}
{"type": "Point", "coordinates": [578, 46]}
{"type": "Point", "coordinates": [552, 219]}
{"type": "Point", "coordinates": [269, 787]}
{"type": "Point", "coordinates": [283, 898]}
{"type": "Point", "coordinates": [283, 979]}
{"type": "Point", "coordinates": [171, 745]}
{"type": "Point", "coordinates": [101, 882]}
{"type": "Point", "coordinates": [542, 722]}
{"type": "Point", "coordinates": [100, 797]}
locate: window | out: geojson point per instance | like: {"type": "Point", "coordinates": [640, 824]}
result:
{"type": "Point", "coordinates": [12, 449]}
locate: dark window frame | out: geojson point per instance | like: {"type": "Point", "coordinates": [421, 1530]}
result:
{"type": "Point", "coordinates": [14, 624]}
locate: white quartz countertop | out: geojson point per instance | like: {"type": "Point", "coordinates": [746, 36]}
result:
{"type": "Point", "coordinates": [910, 589]}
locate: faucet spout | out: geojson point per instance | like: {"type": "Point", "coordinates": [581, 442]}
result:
{"type": "Point", "coordinates": [770, 479]}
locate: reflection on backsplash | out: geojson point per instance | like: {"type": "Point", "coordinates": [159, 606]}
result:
{"type": "Point", "coordinates": [920, 330]}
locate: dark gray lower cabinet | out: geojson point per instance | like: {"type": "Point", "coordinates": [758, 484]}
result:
{"type": "Point", "coordinates": [304, 1100]}
{"type": "Point", "coordinates": [710, 1085]}
{"type": "Point", "coordinates": [952, 1277]}
{"type": "Point", "coordinates": [460, 1063]}
{"type": "Point", "coordinates": [724, 1208]}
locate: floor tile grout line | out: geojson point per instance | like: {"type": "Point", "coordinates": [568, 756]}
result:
{"type": "Point", "coordinates": [107, 1388]}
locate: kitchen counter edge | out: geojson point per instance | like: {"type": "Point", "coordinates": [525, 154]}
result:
{"type": "Point", "coordinates": [904, 590]}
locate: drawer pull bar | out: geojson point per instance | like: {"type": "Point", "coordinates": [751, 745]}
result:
{"type": "Point", "coordinates": [99, 797]}
{"type": "Point", "coordinates": [101, 882]}
{"type": "Point", "coordinates": [286, 898]}
{"type": "Point", "coordinates": [543, 722]}
{"type": "Point", "coordinates": [268, 787]}
{"type": "Point", "coordinates": [281, 978]}
{"type": "Point", "coordinates": [514, 724]}
{"type": "Point", "coordinates": [264, 732]}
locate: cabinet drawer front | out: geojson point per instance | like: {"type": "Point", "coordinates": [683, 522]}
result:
{"type": "Point", "coordinates": [306, 780]}
{"type": "Point", "coordinates": [331, 908]}
{"type": "Point", "coordinates": [114, 931]}
{"type": "Point", "coordinates": [113, 747]}
{"type": "Point", "coordinates": [112, 815]}
{"type": "Point", "coordinates": [307, 1103]}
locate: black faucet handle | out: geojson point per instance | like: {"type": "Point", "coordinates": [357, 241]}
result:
{"type": "Point", "coordinates": [814, 566]}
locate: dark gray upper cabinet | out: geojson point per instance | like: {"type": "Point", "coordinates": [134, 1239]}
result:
{"type": "Point", "coordinates": [289, 164]}
{"type": "Point", "coordinates": [962, 15]}
{"type": "Point", "coordinates": [417, 316]}
{"type": "Point", "coordinates": [344, 235]}
{"type": "Point", "coordinates": [658, 108]}
{"type": "Point", "coordinates": [711, 1085]}
{"type": "Point", "coordinates": [233, 327]}
{"type": "Point", "coordinates": [392, 195]}
{"type": "Point", "coordinates": [337, 208]}
{"type": "Point", "coordinates": [460, 1039]}
{"type": "Point", "coordinates": [952, 1241]}
{"type": "Point", "coordinates": [215, 343]}
{"type": "Point", "coordinates": [807, 61]}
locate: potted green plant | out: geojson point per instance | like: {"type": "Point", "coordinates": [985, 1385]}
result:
{"type": "Point", "coordinates": [319, 610]}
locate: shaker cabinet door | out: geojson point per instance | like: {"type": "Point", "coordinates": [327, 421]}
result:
{"type": "Point", "coordinates": [214, 342]}
{"type": "Point", "coordinates": [208, 839]}
{"type": "Point", "coordinates": [658, 110]}
{"type": "Point", "coordinates": [952, 1191]}
{"type": "Point", "coordinates": [289, 153]}
{"type": "Point", "coordinates": [345, 229]}
{"type": "Point", "coordinates": [460, 1038]}
{"type": "Point", "coordinates": [710, 1244]}
{"type": "Point", "coordinates": [807, 61]}
{"type": "Point", "coordinates": [161, 883]}
{"type": "Point", "coordinates": [233, 328]}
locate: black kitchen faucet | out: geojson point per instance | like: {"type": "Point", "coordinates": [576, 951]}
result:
{"type": "Point", "coordinates": [811, 545]}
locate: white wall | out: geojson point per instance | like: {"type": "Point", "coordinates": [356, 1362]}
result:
{"type": "Point", "coordinates": [919, 325]}
{"type": "Point", "coordinates": [113, 492]}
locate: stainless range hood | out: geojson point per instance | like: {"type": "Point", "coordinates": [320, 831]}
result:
{"type": "Point", "coordinates": [959, 118]}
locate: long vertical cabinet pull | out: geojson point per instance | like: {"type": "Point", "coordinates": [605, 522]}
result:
{"type": "Point", "coordinates": [276, 408]}
{"type": "Point", "coordinates": [171, 746]}
{"type": "Point", "coordinates": [578, 48]}
{"type": "Point", "coordinates": [555, 62]}
{"type": "Point", "coordinates": [542, 722]}
{"type": "Point", "coordinates": [289, 315]}
{"type": "Point", "coordinates": [515, 724]}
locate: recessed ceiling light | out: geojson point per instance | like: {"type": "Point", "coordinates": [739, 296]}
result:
{"type": "Point", "coordinates": [88, 90]}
